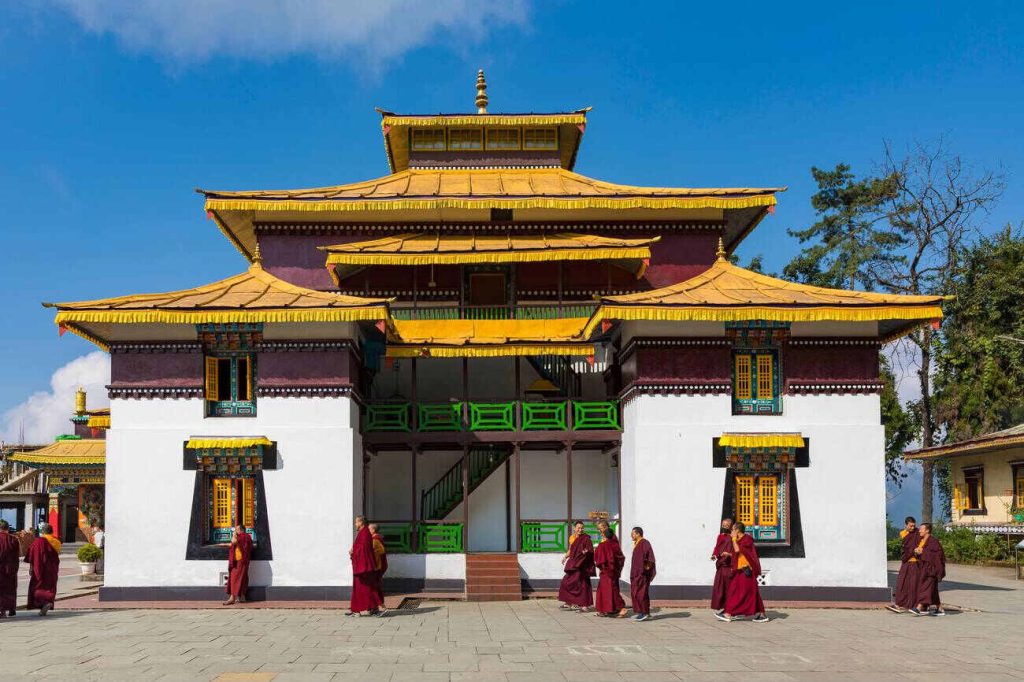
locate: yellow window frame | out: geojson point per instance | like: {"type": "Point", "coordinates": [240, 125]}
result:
{"type": "Point", "coordinates": [745, 500]}
{"type": "Point", "coordinates": [743, 378]}
{"type": "Point", "coordinates": [540, 142]}
{"type": "Point", "coordinates": [212, 383]}
{"type": "Point", "coordinates": [248, 502]}
{"type": "Point", "coordinates": [477, 135]}
{"type": "Point", "coordinates": [500, 146]}
{"type": "Point", "coordinates": [427, 139]}
{"type": "Point", "coordinates": [768, 501]}
{"type": "Point", "coordinates": [222, 503]}
{"type": "Point", "coordinates": [765, 383]}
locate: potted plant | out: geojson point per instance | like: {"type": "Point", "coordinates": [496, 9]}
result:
{"type": "Point", "coordinates": [88, 555]}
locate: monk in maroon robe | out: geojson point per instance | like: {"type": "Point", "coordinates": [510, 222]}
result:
{"type": "Point", "coordinates": [10, 560]}
{"type": "Point", "coordinates": [380, 559]}
{"type": "Point", "coordinates": [365, 599]}
{"type": "Point", "coordinates": [43, 559]}
{"type": "Point", "coordinates": [575, 592]}
{"type": "Point", "coordinates": [744, 597]}
{"type": "Point", "coordinates": [609, 558]}
{"type": "Point", "coordinates": [910, 569]}
{"type": "Point", "coordinates": [641, 573]}
{"type": "Point", "coordinates": [239, 555]}
{"type": "Point", "coordinates": [722, 556]}
{"type": "Point", "coordinates": [933, 570]}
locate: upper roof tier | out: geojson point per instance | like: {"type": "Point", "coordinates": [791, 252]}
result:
{"type": "Point", "coordinates": [65, 452]}
{"type": "Point", "coordinates": [447, 195]}
{"type": "Point", "coordinates": [254, 296]}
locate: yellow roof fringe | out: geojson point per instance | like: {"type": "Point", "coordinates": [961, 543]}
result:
{"type": "Point", "coordinates": [438, 120]}
{"type": "Point", "coordinates": [499, 350]}
{"type": "Point", "coordinates": [81, 451]}
{"type": "Point", "coordinates": [99, 422]}
{"type": "Point", "coordinates": [225, 443]}
{"type": "Point", "coordinates": [482, 332]}
{"type": "Point", "coordinates": [761, 440]}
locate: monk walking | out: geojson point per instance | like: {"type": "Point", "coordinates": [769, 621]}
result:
{"type": "Point", "coordinates": [10, 555]}
{"type": "Point", "coordinates": [238, 566]}
{"type": "Point", "coordinates": [744, 598]}
{"type": "Point", "coordinates": [380, 559]}
{"type": "Point", "coordinates": [575, 591]}
{"type": "Point", "coordinates": [365, 600]}
{"type": "Point", "coordinates": [641, 573]}
{"type": "Point", "coordinates": [905, 597]}
{"type": "Point", "coordinates": [933, 570]}
{"type": "Point", "coordinates": [609, 558]}
{"type": "Point", "coordinates": [43, 559]}
{"type": "Point", "coordinates": [722, 556]}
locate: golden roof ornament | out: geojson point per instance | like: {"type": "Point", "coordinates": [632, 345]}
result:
{"type": "Point", "coordinates": [80, 401]}
{"type": "Point", "coordinates": [481, 92]}
{"type": "Point", "coordinates": [720, 251]}
{"type": "Point", "coordinates": [257, 259]}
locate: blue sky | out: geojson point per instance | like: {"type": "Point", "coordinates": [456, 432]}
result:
{"type": "Point", "coordinates": [112, 112]}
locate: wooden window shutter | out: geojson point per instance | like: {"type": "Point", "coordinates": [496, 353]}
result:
{"type": "Point", "coordinates": [768, 501]}
{"type": "Point", "coordinates": [958, 498]}
{"type": "Point", "coordinates": [743, 388]}
{"type": "Point", "coordinates": [764, 377]}
{"type": "Point", "coordinates": [745, 500]}
{"type": "Point", "coordinates": [248, 502]}
{"type": "Point", "coordinates": [212, 379]}
{"type": "Point", "coordinates": [1019, 489]}
{"type": "Point", "coordinates": [222, 503]}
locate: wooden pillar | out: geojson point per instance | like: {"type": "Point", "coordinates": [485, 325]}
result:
{"type": "Point", "coordinates": [517, 456]}
{"type": "Point", "coordinates": [414, 494]}
{"type": "Point", "coordinates": [465, 389]}
{"type": "Point", "coordinates": [568, 480]}
{"type": "Point", "coordinates": [465, 498]}
{"type": "Point", "coordinates": [53, 515]}
{"type": "Point", "coordinates": [414, 418]}
{"type": "Point", "coordinates": [508, 506]}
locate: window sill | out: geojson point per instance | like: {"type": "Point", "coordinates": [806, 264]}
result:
{"type": "Point", "coordinates": [974, 512]}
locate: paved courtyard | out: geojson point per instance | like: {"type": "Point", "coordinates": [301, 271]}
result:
{"type": "Point", "coordinates": [531, 641]}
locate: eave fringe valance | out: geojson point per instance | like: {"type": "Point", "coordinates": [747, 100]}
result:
{"type": "Point", "coordinates": [208, 443]}
{"type": "Point", "coordinates": [99, 422]}
{"type": "Point", "coordinates": [500, 350]}
{"type": "Point", "coordinates": [757, 441]}
{"type": "Point", "coordinates": [472, 257]}
{"type": "Point", "coordinates": [483, 203]}
{"type": "Point", "coordinates": [356, 314]}
{"type": "Point", "coordinates": [484, 120]}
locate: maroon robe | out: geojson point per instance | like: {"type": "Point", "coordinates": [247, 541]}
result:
{"type": "Point", "coordinates": [44, 567]}
{"type": "Point", "coordinates": [609, 558]}
{"type": "Point", "coordinates": [379, 573]}
{"type": "Point", "coordinates": [744, 598]}
{"type": "Point", "coordinates": [933, 570]}
{"type": "Point", "coordinates": [575, 588]}
{"type": "Point", "coordinates": [723, 570]}
{"type": "Point", "coordinates": [238, 569]}
{"type": "Point", "coordinates": [10, 555]}
{"type": "Point", "coordinates": [364, 573]}
{"type": "Point", "coordinates": [641, 573]}
{"type": "Point", "coordinates": [910, 573]}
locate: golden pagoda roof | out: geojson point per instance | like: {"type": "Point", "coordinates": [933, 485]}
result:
{"type": "Point", "coordinates": [70, 452]}
{"type": "Point", "coordinates": [727, 293]}
{"type": "Point", "coordinates": [1005, 439]}
{"type": "Point", "coordinates": [461, 249]}
{"type": "Point", "coordinates": [253, 296]}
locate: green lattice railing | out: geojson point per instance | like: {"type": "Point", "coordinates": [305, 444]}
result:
{"type": "Point", "coordinates": [441, 538]}
{"type": "Point", "coordinates": [439, 417]}
{"type": "Point", "coordinates": [397, 537]}
{"type": "Point", "coordinates": [542, 537]}
{"type": "Point", "coordinates": [492, 416]}
{"type": "Point", "coordinates": [602, 414]}
{"type": "Point", "coordinates": [544, 417]}
{"type": "Point", "coordinates": [591, 530]}
{"type": "Point", "coordinates": [386, 417]}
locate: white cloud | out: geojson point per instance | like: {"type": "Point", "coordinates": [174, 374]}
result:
{"type": "Point", "coordinates": [375, 31]}
{"type": "Point", "coordinates": [46, 414]}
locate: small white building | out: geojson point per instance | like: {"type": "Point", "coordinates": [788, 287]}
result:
{"type": "Point", "coordinates": [496, 346]}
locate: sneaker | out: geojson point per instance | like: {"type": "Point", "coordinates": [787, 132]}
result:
{"type": "Point", "coordinates": [643, 617]}
{"type": "Point", "coordinates": [564, 607]}
{"type": "Point", "coordinates": [722, 617]}
{"type": "Point", "coordinates": [939, 612]}
{"type": "Point", "coordinates": [761, 618]}
{"type": "Point", "coordinates": [635, 616]}
{"type": "Point", "coordinates": [45, 608]}
{"type": "Point", "coordinates": [914, 612]}
{"type": "Point", "coordinates": [894, 608]}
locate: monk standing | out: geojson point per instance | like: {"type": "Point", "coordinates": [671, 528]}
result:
{"type": "Point", "coordinates": [238, 566]}
{"type": "Point", "coordinates": [905, 597]}
{"type": "Point", "coordinates": [575, 591]}
{"type": "Point", "coordinates": [933, 570]}
{"type": "Point", "coordinates": [43, 559]}
{"type": "Point", "coordinates": [380, 560]}
{"type": "Point", "coordinates": [722, 556]}
{"type": "Point", "coordinates": [10, 555]}
{"type": "Point", "coordinates": [365, 600]}
{"type": "Point", "coordinates": [641, 573]}
{"type": "Point", "coordinates": [744, 598]}
{"type": "Point", "coordinates": [609, 558]}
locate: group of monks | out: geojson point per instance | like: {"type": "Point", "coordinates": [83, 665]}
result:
{"type": "Point", "coordinates": [735, 594]}
{"type": "Point", "coordinates": [369, 564]}
{"type": "Point", "coordinates": [575, 591]}
{"type": "Point", "coordinates": [922, 567]}
{"type": "Point", "coordinates": [43, 558]}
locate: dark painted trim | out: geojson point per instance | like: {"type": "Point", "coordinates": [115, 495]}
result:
{"type": "Point", "coordinates": [162, 392]}
{"type": "Point", "coordinates": [169, 347]}
{"type": "Point", "coordinates": [195, 550]}
{"type": "Point", "coordinates": [206, 593]}
{"type": "Point", "coordinates": [481, 226]}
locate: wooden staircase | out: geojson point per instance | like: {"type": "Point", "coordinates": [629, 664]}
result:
{"type": "Point", "coordinates": [558, 370]}
{"type": "Point", "coordinates": [493, 577]}
{"type": "Point", "coordinates": [441, 498]}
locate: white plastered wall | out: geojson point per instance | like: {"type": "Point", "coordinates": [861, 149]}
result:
{"type": "Point", "coordinates": [149, 493]}
{"type": "Point", "coordinates": [671, 488]}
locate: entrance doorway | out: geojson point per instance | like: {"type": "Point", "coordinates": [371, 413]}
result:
{"type": "Point", "coordinates": [69, 524]}
{"type": "Point", "coordinates": [487, 293]}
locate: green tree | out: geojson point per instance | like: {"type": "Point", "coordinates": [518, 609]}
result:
{"type": "Point", "coordinates": [851, 237]}
{"type": "Point", "coordinates": [901, 424]}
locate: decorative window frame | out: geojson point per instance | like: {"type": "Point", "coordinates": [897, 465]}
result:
{"type": "Point", "coordinates": [231, 342]}
{"type": "Point", "coordinates": [478, 134]}
{"type": "Point", "coordinates": [757, 351]}
{"type": "Point", "coordinates": [961, 493]}
{"type": "Point", "coordinates": [500, 146]}
{"type": "Point", "coordinates": [437, 135]}
{"type": "Point", "coordinates": [552, 146]}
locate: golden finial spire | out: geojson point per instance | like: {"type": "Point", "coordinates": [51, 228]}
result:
{"type": "Point", "coordinates": [257, 259]}
{"type": "Point", "coordinates": [481, 93]}
{"type": "Point", "coordinates": [80, 401]}
{"type": "Point", "coordinates": [720, 251]}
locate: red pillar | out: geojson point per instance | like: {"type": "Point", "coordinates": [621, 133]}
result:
{"type": "Point", "coordinates": [53, 518]}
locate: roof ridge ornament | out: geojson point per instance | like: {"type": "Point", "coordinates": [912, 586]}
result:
{"type": "Point", "coordinates": [257, 257]}
{"type": "Point", "coordinates": [720, 251]}
{"type": "Point", "coordinates": [481, 92]}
